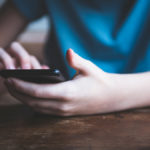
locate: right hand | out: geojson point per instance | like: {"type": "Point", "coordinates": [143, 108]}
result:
{"type": "Point", "coordinates": [17, 58]}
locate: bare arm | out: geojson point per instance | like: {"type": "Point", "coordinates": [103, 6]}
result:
{"type": "Point", "coordinates": [91, 91]}
{"type": "Point", "coordinates": [12, 23]}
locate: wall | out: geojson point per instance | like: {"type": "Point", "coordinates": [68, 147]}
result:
{"type": "Point", "coordinates": [33, 38]}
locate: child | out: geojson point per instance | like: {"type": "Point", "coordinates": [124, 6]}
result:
{"type": "Point", "coordinates": [112, 36]}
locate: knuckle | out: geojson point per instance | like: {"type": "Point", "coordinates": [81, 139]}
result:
{"type": "Point", "coordinates": [64, 109]}
{"type": "Point", "coordinates": [36, 93]}
{"type": "Point", "coordinates": [68, 97]}
{"type": "Point", "coordinates": [70, 93]}
{"type": "Point", "coordinates": [14, 44]}
{"type": "Point", "coordinates": [25, 59]}
{"type": "Point", "coordinates": [65, 97]}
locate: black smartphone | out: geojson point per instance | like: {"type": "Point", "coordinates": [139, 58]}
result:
{"type": "Point", "coordinates": [35, 75]}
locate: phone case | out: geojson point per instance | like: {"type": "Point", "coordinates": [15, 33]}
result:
{"type": "Point", "coordinates": [36, 75]}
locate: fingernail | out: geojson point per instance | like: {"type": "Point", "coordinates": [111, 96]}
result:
{"type": "Point", "coordinates": [10, 67]}
{"type": "Point", "coordinates": [45, 67]}
{"type": "Point", "coordinates": [26, 66]}
{"type": "Point", "coordinates": [70, 49]}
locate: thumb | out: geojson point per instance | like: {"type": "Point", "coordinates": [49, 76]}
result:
{"type": "Point", "coordinates": [78, 63]}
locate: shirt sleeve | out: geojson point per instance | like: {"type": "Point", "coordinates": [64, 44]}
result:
{"type": "Point", "coordinates": [31, 9]}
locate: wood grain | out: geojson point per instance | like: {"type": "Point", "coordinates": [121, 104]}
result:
{"type": "Point", "coordinates": [22, 129]}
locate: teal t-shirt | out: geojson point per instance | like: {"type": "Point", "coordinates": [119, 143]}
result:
{"type": "Point", "coordinates": [113, 34]}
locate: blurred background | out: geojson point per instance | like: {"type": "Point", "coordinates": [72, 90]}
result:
{"type": "Point", "coordinates": [38, 26]}
{"type": "Point", "coordinates": [33, 38]}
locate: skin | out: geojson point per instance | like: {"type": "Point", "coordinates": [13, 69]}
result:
{"type": "Point", "coordinates": [13, 55]}
{"type": "Point", "coordinates": [91, 91]}
{"type": "Point", "coordinates": [17, 58]}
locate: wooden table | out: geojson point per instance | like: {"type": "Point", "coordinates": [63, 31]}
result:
{"type": "Point", "coordinates": [22, 129]}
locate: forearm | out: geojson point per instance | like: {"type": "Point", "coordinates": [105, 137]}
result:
{"type": "Point", "coordinates": [11, 24]}
{"type": "Point", "coordinates": [132, 90]}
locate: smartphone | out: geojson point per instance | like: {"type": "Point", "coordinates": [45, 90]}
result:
{"type": "Point", "coordinates": [35, 75]}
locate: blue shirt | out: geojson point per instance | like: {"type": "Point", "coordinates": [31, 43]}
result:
{"type": "Point", "coordinates": [113, 34]}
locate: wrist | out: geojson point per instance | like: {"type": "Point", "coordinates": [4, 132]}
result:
{"type": "Point", "coordinates": [110, 96]}
{"type": "Point", "coordinates": [121, 91]}
{"type": "Point", "coordinates": [117, 95]}
{"type": "Point", "coordinates": [131, 90]}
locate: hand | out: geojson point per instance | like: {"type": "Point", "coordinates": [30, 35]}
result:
{"type": "Point", "coordinates": [91, 91]}
{"type": "Point", "coordinates": [17, 58]}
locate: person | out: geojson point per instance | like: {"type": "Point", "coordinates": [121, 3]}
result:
{"type": "Point", "coordinates": [107, 43]}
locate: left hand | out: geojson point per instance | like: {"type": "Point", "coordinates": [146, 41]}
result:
{"type": "Point", "coordinates": [91, 91]}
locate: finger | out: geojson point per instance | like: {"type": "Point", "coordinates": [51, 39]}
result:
{"type": "Point", "coordinates": [56, 91]}
{"type": "Point", "coordinates": [59, 111]}
{"type": "Point", "coordinates": [42, 105]}
{"type": "Point", "coordinates": [33, 102]}
{"type": "Point", "coordinates": [6, 59]}
{"type": "Point", "coordinates": [80, 64]}
{"type": "Point", "coordinates": [21, 55]}
{"type": "Point", "coordinates": [35, 64]}
{"type": "Point", "coordinates": [45, 67]}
